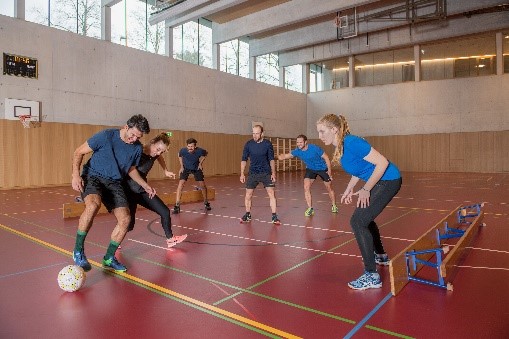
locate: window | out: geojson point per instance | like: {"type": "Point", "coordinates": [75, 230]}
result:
{"type": "Point", "coordinates": [267, 69]}
{"type": "Point", "coordinates": [192, 42]}
{"type": "Point", "coordinates": [386, 67]}
{"type": "Point", "coordinates": [315, 78]}
{"type": "Point", "coordinates": [7, 8]}
{"type": "Point", "coordinates": [464, 57]}
{"type": "Point", "coordinates": [505, 51]}
{"type": "Point", "coordinates": [80, 16]}
{"type": "Point", "coordinates": [235, 57]}
{"type": "Point", "coordinates": [293, 78]}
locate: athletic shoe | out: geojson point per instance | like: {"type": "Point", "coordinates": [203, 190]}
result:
{"type": "Point", "coordinates": [365, 281]}
{"type": "Point", "coordinates": [176, 239]}
{"type": "Point", "coordinates": [176, 209]}
{"type": "Point", "coordinates": [80, 259]}
{"type": "Point", "coordinates": [275, 219]}
{"type": "Point", "coordinates": [207, 206]}
{"type": "Point", "coordinates": [246, 217]}
{"type": "Point", "coordinates": [382, 259]}
{"type": "Point", "coordinates": [334, 209]}
{"type": "Point", "coordinates": [113, 263]}
{"type": "Point", "coordinates": [309, 212]}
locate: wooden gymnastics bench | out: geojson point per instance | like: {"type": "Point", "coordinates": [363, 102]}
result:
{"type": "Point", "coordinates": [405, 266]}
{"type": "Point", "coordinates": [74, 209]}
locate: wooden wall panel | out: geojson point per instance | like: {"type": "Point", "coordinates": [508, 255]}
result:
{"type": "Point", "coordinates": [500, 154]}
{"type": "Point", "coordinates": [42, 156]}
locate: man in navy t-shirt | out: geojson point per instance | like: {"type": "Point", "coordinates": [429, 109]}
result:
{"type": "Point", "coordinates": [115, 154]}
{"type": "Point", "coordinates": [317, 164]}
{"type": "Point", "coordinates": [262, 169]}
{"type": "Point", "coordinates": [191, 160]}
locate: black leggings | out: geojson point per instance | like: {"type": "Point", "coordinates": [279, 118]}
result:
{"type": "Point", "coordinates": [363, 221]}
{"type": "Point", "coordinates": [155, 205]}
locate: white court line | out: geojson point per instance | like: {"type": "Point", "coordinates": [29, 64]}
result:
{"type": "Point", "coordinates": [484, 268]}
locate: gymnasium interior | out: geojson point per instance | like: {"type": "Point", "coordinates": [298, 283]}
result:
{"type": "Point", "coordinates": [425, 82]}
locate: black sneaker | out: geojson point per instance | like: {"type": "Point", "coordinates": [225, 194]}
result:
{"type": "Point", "coordinates": [246, 217]}
{"type": "Point", "coordinates": [275, 219]}
{"type": "Point", "coordinates": [114, 264]}
{"type": "Point", "coordinates": [207, 206]}
{"type": "Point", "coordinates": [176, 209]}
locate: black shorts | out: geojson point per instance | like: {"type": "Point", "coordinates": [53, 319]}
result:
{"type": "Point", "coordinates": [254, 179]}
{"type": "Point", "coordinates": [312, 174]}
{"type": "Point", "coordinates": [198, 174]}
{"type": "Point", "coordinates": [111, 192]}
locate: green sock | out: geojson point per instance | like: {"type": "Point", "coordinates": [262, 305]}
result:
{"type": "Point", "coordinates": [80, 241]}
{"type": "Point", "coordinates": [112, 248]}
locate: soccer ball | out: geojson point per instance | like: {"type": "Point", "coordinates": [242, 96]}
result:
{"type": "Point", "coordinates": [71, 278]}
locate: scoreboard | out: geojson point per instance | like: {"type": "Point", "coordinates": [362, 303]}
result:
{"type": "Point", "coordinates": [20, 66]}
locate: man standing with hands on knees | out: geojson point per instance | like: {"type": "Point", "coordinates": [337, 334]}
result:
{"type": "Point", "coordinates": [115, 154]}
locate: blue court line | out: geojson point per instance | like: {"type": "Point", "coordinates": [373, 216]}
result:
{"type": "Point", "coordinates": [32, 270]}
{"type": "Point", "coordinates": [361, 323]}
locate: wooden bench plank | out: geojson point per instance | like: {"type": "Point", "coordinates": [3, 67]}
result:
{"type": "Point", "coordinates": [74, 209]}
{"type": "Point", "coordinates": [397, 265]}
{"type": "Point", "coordinates": [458, 252]}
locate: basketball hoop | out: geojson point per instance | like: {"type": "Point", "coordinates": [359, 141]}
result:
{"type": "Point", "coordinates": [27, 120]}
{"type": "Point", "coordinates": [341, 21]}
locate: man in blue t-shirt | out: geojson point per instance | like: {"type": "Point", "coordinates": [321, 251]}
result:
{"type": "Point", "coordinates": [115, 154]}
{"type": "Point", "coordinates": [317, 164]}
{"type": "Point", "coordinates": [191, 160]}
{"type": "Point", "coordinates": [262, 169]}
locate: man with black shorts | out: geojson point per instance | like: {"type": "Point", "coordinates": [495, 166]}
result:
{"type": "Point", "coordinates": [262, 169]}
{"type": "Point", "coordinates": [115, 154]}
{"type": "Point", "coordinates": [317, 164]}
{"type": "Point", "coordinates": [191, 160]}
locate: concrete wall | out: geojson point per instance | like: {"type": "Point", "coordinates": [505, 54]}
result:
{"type": "Point", "coordinates": [442, 106]}
{"type": "Point", "coordinates": [88, 81]}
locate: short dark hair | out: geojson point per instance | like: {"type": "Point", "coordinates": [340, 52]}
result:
{"type": "Point", "coordinates": [302, 136]}
{"type": "Point", "coordinates": [191, 141]}
{"type": "Point", "coordinates": [140, 122]}
{"type": "Point", "coordinates": [259, 126]}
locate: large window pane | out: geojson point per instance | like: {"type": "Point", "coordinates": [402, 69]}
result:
{"type": "Point", "coordinates": [386, 67]}
{"type": "Point", "coordinates": [505, 50]}
{"type": "Point", "coordinates": [192, 42]}
{"type": "Point", "coordinates": [316, 78]}
{"type": "Point", "coordinates": [37, 11]}
{"type": "Point", "coordinates": [7, 8]}
{"type": "Point", "coordinates": [243, 59]}
{"type": "Point", "coordinates": [293, 78]}
{"type": "Point", "coordinates": [267, 69]}
{"type": "Point", "coordinates": [465, 57]}
{"type": "Point", "coordinates": [234, 57]}
{"type": "Point", "coordinates": [205, 43]}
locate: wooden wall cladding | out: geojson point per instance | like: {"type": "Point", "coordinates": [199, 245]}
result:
{"type": "Point", "coordinates": [42, 156]}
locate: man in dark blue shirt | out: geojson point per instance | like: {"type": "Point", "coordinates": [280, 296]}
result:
{"type": "Point", "coordinates": [262, 169]}
{"type": "Point", "coordinates": [191, 160]}
{"type": "Point", "coordinates": [115, 154]}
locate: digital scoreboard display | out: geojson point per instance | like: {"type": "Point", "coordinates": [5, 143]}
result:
{"type": "Point", "coordinates": [20, 66]}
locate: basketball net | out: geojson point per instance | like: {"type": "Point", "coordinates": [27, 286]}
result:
{"type": "Point", "coordinates": [25, 120]}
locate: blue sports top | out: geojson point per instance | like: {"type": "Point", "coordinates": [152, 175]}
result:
{"type": "Point", "coordinates": [191, 161]}
{"type": "Point", "coordinates": [312, 157]}
{"type": "Point", "coordinates": [259, 154]}
{"type": "Point", "coordinates": [112, 157]}
{"type": "Point", "coordinates": [354, 150]}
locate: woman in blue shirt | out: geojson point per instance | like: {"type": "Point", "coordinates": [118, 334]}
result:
{"type": "Point", "coordinates": [382, 181]}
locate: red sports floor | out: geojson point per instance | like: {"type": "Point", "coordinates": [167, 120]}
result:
{"type": "Point", "coordinates": [231, 280]}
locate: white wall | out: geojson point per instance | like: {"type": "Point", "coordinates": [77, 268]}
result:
{"type": "Point", "coordinates": [88, 81]}
{"type": "Point", "coordinates": [426, 107]}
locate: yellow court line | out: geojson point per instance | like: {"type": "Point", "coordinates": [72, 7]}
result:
{"type": "Point", "coordinates": [165, 290]}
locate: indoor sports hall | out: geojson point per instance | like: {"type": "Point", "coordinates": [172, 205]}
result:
{"type": "Point", "coordinates": [424, 82]}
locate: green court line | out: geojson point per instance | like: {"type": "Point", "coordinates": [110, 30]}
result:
{"type": "Point", "coordinates": [210, 309]}
{"type": "Point", "coordinates": [249, 289]}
